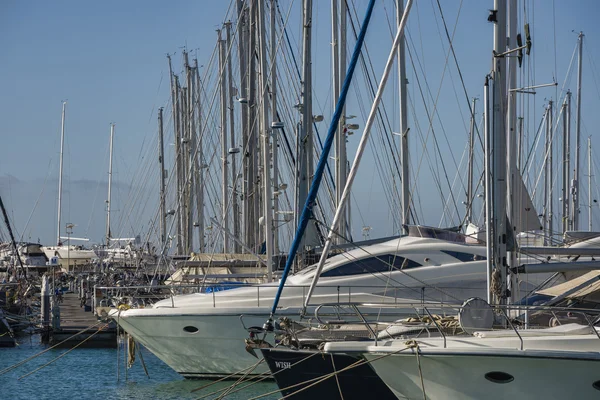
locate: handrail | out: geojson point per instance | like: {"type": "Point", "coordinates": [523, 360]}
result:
{"type": "Point", "coordinates": [426, 307]}
{"type": "Point", "coordinates": [365, 322]}
{"type": "Point", "coordinates": [433, 304]}
{"type": "Point", "coordinates": [512, 326]}
{"type": "Point", "coordinates": [436, 325]}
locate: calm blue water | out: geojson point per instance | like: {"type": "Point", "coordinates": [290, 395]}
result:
{"type": "Point", "coordinates": [92, 374]}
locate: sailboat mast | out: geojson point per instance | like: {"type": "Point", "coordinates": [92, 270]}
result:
{"type": "Point", "coordinates": [199, 165]}
{"type": "Point", "coordinates": [266, 145]}
{"type": "Point", "coordinates": [403, 122]}
{"type": "Point", "coordinates": [224, 147]}
{"type": "Point", "coordinates": [487, 153]}
{"type": "Point", "coordinates": [251, 193]}
{"type": "Point", "coordinates": [363, 140]}
{"type": "Point", "coordinates": [234, 171]}
{"type": "Point", "coordinates": [590, 183]}
{"type": "Point", "coordinates": [548, 174]}
{"type": "Point", "coordinates": [276, 122]}
{"type": "Point", "coordinates": [60, 170]}
{"type": "Point", "coordinates": [110, 158]}
{"type": "Point", "coordinates": [161, 162]}
{"type": "Point", "coordinates": [469, 216]}
{"type": "Point", "coordinates": [305, 142]}
{"type": "Point", "coordinates": [565, 165]}
{"type": "Point", "coordinates": [243, 53]}
{"type": "Point", "coordinates": [511, 141]}
{"type": "Point", "coordinates": [499, 146]}
{"type": "Point", "coordinates": [335, 74]}
{"type": "Point", "coordinates": [577, 137]}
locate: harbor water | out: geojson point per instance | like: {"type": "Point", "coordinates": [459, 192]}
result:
{"type": "Point", "coordinates": [92, 374]}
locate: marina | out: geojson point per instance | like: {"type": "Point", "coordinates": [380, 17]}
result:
{"type": "Point", "coordinates": [260, 199]}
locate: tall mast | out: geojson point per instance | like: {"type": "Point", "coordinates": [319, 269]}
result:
{"type": "Point", "coordinates": [234, 171]}
{"type": "Point", "coordinates": [487, 154]}
{"type": "Point", "coordinates": [252, 238]}
{"type": "Point", "coordinates": [190, 143]}
{"type": "Point", "coordinates": [242, 12]}
{"type": "Point", "coordinates": [335, 74]}
{"type": "Point", "coordinates": [511, 141]}
{"type": "Point", "coordinates": [404, 160]}
{"type": "Point", "coordinates": [590, 183]}
{"type": "Point", "coordinates": [60, 170]}
{"type": "Point", "coordinates": [224, 147]}
{"type": "Point", "coordinates": [161, 163]}
{"type": "Point", "coordinates": [276, 122]}
{"type": "Point", "coordinates": [338, 38]}
{"type": "Point", "coordinates": [305, 142]}
{"type": "Point", "coordinates": [110, 158]}
{"type": "Point", "coordinates": [565, 167]}
{"type": "Point", "coordinates": [548, 195]}
{"type": "Point", "coordinates": [198, 161]}
{"type": "Point", "coordinates": [469, 216]}
{"type": "Point", "coordinates": [175, 111]}
{"type": "Point", "coordinates": [499, 146]}
{"type": "Point", "coordinates": [577, 137]}
{"type": "Point", "coordinates": [266, 145]}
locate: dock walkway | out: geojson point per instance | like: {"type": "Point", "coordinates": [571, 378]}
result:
{"type": "Point", "coordinates": [74, 319]}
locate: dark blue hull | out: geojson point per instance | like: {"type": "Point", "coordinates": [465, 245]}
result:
{"type": "Point", "coordinates": [294, 370]}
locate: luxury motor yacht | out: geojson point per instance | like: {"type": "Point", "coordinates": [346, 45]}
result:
{"type": "Point", "coordinates": [201, 335]}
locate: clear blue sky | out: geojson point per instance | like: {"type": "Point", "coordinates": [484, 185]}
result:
{"type": "Point", "coordinates": [108, 60]}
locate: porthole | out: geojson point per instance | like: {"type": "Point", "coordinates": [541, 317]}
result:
{"type": "Point", "coordinates": [499, 377]}
{"type": "Point", "coordinates": [190, 329]}
{"type": "Point", "coordinates": [596, 385]}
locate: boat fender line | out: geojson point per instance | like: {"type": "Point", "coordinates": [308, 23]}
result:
{"type": "Point", "coordinates": [130, 351]}
{"type": "Point", "coordinates": [413, 344]}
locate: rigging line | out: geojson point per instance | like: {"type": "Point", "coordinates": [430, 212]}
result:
{"type": "Point", "coordinates": [317, 178]}
{"type": "Point", "coordinates": [295, 63]}
{"type": "Point", "coordinates": [381, 276]}
{"type": "Point", "coordinates": [37, 200]}
{"type": "Point", "coordinates": [546, 153]}
{"type": "Point", "coordinates": [382, 110]}
{"type": "Point", "coordinates": [555, 56]}
{"type": "Point", "coordinates": [532, 148]}
{"type": "Point", "coordinates": [425, 139]}
{"type": "Point", "coordinates": [450, 43]}
{"type": "Point", "coordinates": [433, 114]}
{"type": "Point", "coordinates": [262, 97]}
{"type": "Point", "coordinates": [378, 163]}
{"type": "Point", "coordinates": [87, 229]}
{"type": "Point", "coordinates": [450, 74]}
{"type": "Point", "coordinates": [593, 68]}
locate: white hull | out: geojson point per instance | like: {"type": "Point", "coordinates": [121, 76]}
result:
{"type": "Point", "coordinates": [217, 349]}
{"type": "Point", "coordinates": [551, 365]}
{"type": "Point", "coordinates": [69, 256]}
{"type": "Point", "coordinates": [463, 376]}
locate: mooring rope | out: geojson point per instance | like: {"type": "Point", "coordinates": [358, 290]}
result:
{"type": "Point", "coordinates": [225, 377]}
{"type": "Point", "coordinates": [327, 376]}
{"type": "Point", "coordinates": [337, 381]}
{"type": "Point", "coordinates": [5, 370]}
{"type": "Point", "coordinates": [415, 345]}
{"type": "Point", "coordinates": [66, 352]}
{"type": "Point", "coordinates": [142, 360]}
{"type": "Point", "coordinates": [240, 380]}
{"type": "Point", "coordinates": [264, 375]}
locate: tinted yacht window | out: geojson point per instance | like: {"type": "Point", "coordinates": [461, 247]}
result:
{"type": "Point", "coordinates": [371, 265]}
{"type": "Point", "coordinates": [464, 257]}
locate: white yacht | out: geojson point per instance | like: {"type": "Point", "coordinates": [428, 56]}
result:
{"type": "Point", "coordinates": [69, 256]}
{"type": "Point", "coordinates": [200, 335]}
{"type": "Point", "coordinates": [558, 362]}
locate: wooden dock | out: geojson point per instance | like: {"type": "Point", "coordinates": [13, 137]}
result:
{"type": "Point", "coordinates": [74, 319]}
